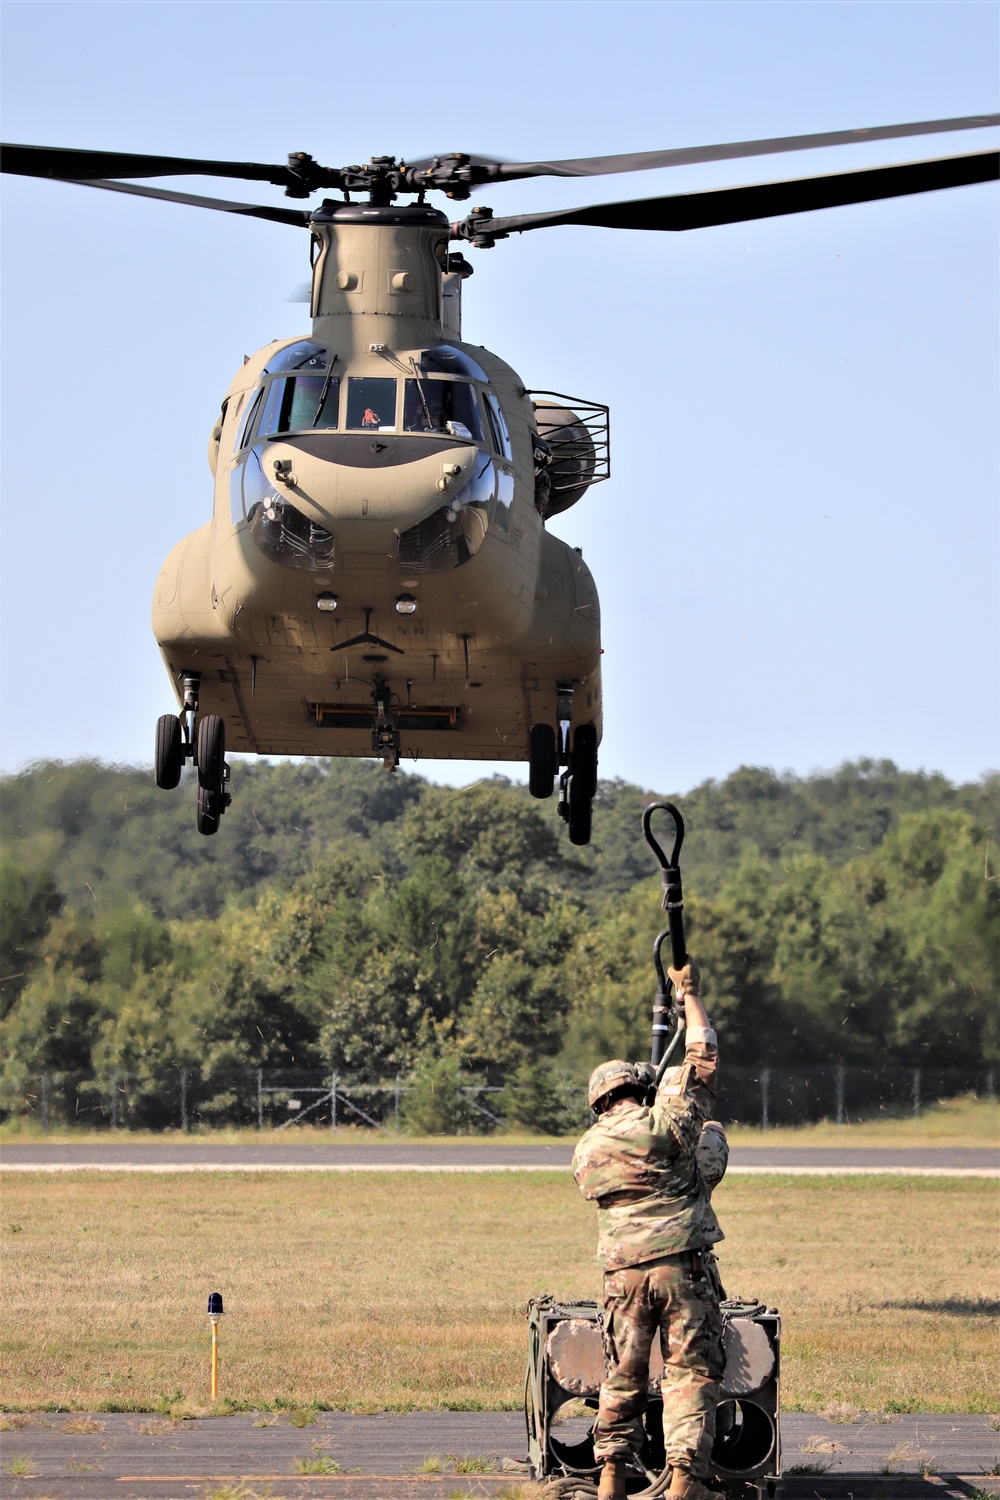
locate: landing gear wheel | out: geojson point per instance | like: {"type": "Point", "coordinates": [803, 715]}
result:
{"type": "Point", "coordinates": [541, 760]}
{"type": "Point", "coordinates": [169, 759]}
{"type": "Point", "coordinates": [584, 760]}
{"type": "Point", "coordinates": [209, 810]}
{"type": "Point", "coordinates": [579, 814]}
{"type": "Point", "coordinates": [211, 753]}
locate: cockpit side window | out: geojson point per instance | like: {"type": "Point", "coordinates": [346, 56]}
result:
{"type": "Point", "coordinates": [442, 406]}
{"type": "Point", "coordinates": [498, 427]}
{"type": "Point", "coordinates": [270, 414]}
{"type": "Point", "coordinates": [247, 428]}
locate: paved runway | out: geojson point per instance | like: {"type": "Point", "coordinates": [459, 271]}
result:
{"type": "Point", "coordinates": [286, 1155]}
{"type": "Point", "coordinates": [138, 1457]}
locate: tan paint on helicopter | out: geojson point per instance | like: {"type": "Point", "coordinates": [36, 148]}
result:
{"type": "Point", "coordinates": [524, 606]}
{"type": "Point", "coordinates": [343, 498]}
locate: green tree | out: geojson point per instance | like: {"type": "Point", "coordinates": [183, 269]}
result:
{"type": "Point", "coordinates": [523, 990]}
{"type": "Point", "coordinates": [28, 904]}
{"type": "Point", "coordinates": [487, 831]}
{"type": "Point", "coordinates": [429, 916]}
{"type": "Point", "coordinates": [937, 890]}
{"type": "Point", "coordinates": [538, 1099]}
{"type": "Point", "coordinates": [434, 1103]}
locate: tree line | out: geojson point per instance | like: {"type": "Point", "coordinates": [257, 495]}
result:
{"type": "Point", "coordinates": [377, 925]}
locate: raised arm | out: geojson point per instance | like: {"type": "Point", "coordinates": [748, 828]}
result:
{"type": "Point", "coordinates": [701, 1054]}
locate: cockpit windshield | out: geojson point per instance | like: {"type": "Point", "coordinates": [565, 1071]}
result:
{"type": "Point", "coordinates": [297, 403]}
{"type": "Point", "coordinates": [442, 406]}
{"type": "Point", "coordinates": [371, 403]}
{"type": "Point", "coordinates": [293, 401]}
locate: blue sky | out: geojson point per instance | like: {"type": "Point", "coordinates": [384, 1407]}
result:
{"type": "Point", "coordinates": [797, 550]}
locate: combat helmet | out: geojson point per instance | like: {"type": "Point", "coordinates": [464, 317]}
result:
{"type": "Point", "coordinates": [611, 1075]}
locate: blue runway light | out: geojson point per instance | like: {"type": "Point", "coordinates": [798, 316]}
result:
{"type": "Point", "coordinates": [215, 1303]}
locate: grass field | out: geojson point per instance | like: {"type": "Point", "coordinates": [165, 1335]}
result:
{"type": "Point", "coordinates": [966, 1121]}
{"type": "Point", "coordinates": [364, 1291]}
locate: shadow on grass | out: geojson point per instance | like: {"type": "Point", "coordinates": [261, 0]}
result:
{"type": "Point", "coordinates": [958, 1307]}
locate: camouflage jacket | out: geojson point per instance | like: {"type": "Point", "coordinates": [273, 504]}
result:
{"type": "Point", "coordinates": [638, 1163]}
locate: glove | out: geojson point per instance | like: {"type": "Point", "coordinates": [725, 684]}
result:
{"type": "Point", "coordinates": [686, 981]}
{"type": "Point", "coordinates": [646, 1074]}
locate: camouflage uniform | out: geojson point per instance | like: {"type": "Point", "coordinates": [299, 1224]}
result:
{"type": "Point", "coordinates": [655, 1226]}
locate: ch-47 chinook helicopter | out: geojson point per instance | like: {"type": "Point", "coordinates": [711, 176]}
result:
{"type": "Point", "coordinates": [376, 578]}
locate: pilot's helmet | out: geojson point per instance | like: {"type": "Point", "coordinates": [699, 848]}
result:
{"type": "Point", "coordinates": [610, 1075]}
{"type": "Point", "coordinates": [712, 1153]}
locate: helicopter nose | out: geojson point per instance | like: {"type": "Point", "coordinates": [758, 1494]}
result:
{"type": "Point", "coordinates": [391, 479]}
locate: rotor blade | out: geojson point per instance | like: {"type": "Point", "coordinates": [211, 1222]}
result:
{"type": "Point", "coordinates": [299, 217]}
{"type": "Point", "coordinates": [758, 201]}
{"type": "Point", "coordinates": [642, 161]}
{"type": "Point", "coordinates": [61, 161]}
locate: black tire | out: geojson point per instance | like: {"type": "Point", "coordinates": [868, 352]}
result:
{"type": "Point", "coordinates": [210, 748]}
{"type": "Point", "coordinates": [579, 814]}
{"type": "Point", "coordinates": [585, 760]}
{"type": "Point", "coordinates": [169, 759]}
{"type": "Point", "coordinates": [209, 810]}
{"type": "Point", "coordinates": [541, 760]}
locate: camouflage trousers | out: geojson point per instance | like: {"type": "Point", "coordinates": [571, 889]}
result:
{"type": "Point", "coordinates": [676, 1297]}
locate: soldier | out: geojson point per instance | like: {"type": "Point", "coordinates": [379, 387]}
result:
{"type": "Point", "coordinates": [656, 1224]}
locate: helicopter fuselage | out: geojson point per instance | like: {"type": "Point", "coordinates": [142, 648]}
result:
{"type": "Point", "coordinates": [378, 528]}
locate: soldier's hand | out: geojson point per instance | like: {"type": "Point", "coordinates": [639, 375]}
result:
{"type": "Point", "coordinates": [646, 1074]}
{"type": "Point", "coordinates": [686, 981]}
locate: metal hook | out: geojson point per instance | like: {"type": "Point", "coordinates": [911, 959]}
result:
{"type": "Point", "coordinates": [663, 982]}
{"type": "Point", "coordinates": [673, 903]}
{"type": "Point", "coordinates": [647, 814]}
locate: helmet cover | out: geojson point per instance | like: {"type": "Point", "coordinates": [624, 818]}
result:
{"type": "Point", "coordinates": [608, 1076]}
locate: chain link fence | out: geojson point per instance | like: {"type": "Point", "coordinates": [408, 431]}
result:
{"type": "Point", "coordinates": [768, 1097]}
{"type": "Point", "coordinates": [274, 1100]}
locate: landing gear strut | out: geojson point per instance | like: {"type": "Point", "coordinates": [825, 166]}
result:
{"type": "Point", "coordinates": [385, 734]}
{"type": "Point", "coordinates": [200, 740]}
{"type": "Point", "coordinates": [549, 748]}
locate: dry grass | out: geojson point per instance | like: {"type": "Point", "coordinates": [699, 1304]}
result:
{"type": "Point", "coordinates": [367, 1291]}
{"type": "Point", "coordinates": [907, 1453]}
{"type": "Point", "coordinates": [817, 1443]}
{"type": "Point", "coordinates": [27, 1130]}
{"type": "Point", "coordinates": [214, 1491]}
{"type": "Point", "coordinates": [966, 1121]}
{"type": "Point", "coordinates": [83, 1424]}
{"type": "Point", "coordinates": [842, 1411]}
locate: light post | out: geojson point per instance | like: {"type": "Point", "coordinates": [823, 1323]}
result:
{"type": "Point", "coordinates": [215, 1311]}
